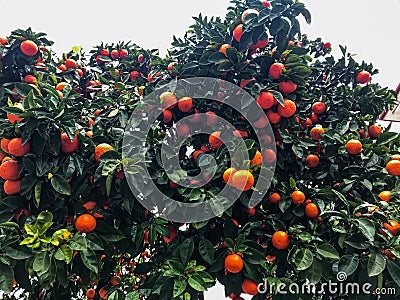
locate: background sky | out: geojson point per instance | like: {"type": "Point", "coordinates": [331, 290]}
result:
{"type": "Point", "coordinates": [369, 28]}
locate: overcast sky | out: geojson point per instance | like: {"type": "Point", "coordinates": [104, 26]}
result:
{"type": "Point", "coordinates": [369, 28]}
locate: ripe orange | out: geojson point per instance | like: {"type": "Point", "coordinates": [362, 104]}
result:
{"type": "Point", "coordinates": [273, 117]}
{"type": "Point", "coordinates": [9, 170]}
{"type": "Point", "coordinates": [257, 160]}
{"type": "Point", "coordinates": [316, 133]}
{"type": "Point", "coordinates": [242, 180]}
{"type": "Point", "coordinates": [305, 123]}
{"type": "Point", "coordinates": [62, 68]}
{"type": "Point", "coordinates": [269, 156]}
{"type": "Point", "coordinates": [13, 118]}
{"type": "Point", "coordinates": [85, 223]}
{"type": "Point", "coordinates": [168, 100]}
{"type": "Point", "coordinates": [261, 122]}
{"type": "Point", "coordinates": [173, 234]}
{"type": "Point", "coordinates": [312, 160]}
{"type": "Point", "coordinates": [374, 131]}
{"type": "Point", "coordinates": [275, 198]}
{"type": "Point", "coordinates": [29, 48]}
{"type": "Point", "coordinates": [311, 210]}
{"type": "Point", "coordinates": [234, 263]}
{"type": "Point", "coordinates": [196, 154]}
{"type": "Point", "coordinates": [167, 114]}
{"type": "Point", "coordinates": [393, 227]}
{"type": "Point", "coordinates": [384, 195]}
{"type": "Point", "coordinates": [280, 240]}
{"type": "Point", "coordinates": [228, 174]}
{"type": "Point", "coordinates": [70, 64]}
{"type": "Point", "coordinates": [214, 140]}
{"type": "Point", "coordinates": [315, 118]}
{"type": "Point", "coordinates": [3, 41]}
{"type": "Point", "coordinates": [250, 287]}
{"type": "Point", "coordinates": [89, 134]}
{"type": "Point", "coordinates": [393, 167]}
{"type": "Point", "coordinates": [66, 145]}
{"type": "Point", "coordinates": [90, 205]}
{"type": "Point", "coordinates": [185, 104]}
{"type": "Point", "coordinates": [287, 87]}
{"type": "Point", "coordinates": [354, 147]}
{"type": "Point", "coordinates": [298, 197]}
{"type": "Point", "coordinates": [237, 32]}
{"type": "Point", "coordinates": [275, 70]}
{"type": "Point", "coordinates": [90, 293]}
{"type": "Point", "coordinates": [103, 293]}
{"type": "Point", "coordinates": [247, 12]}
{"type": "Point", "coordinates": [4, 144]}
{"type": "Point", "coordinates": [288, 109]}
{"type": "Point", "coordinates": [123, 53]}
{"type": "Point", "coordinates": [396, 157]}
{"type": "Point", "coordinates": [12, 187]}
{"type": "Point", "coordinates": [183, 129]}
{"type": "Point", "coordinates": [134, 75]}
{"type": "Point", "coordinates": [16, 148]}
{"type": "Point", "coordinates": [223, 48]}
{"type": "Point", "coordinates": [101, 149]}
{"type": "Point", "coordinates": [60, 86]}
{"type": "Point", "coordinates": [266, 100]}
{"type": "Point", "coordinates": [318, 108]}
{"type": "Point", "coordinates": [363, 77]}
{"type": "Point", "coordinates": [240, 133]}
{"type": "Point", "coordinates": [30, 79]}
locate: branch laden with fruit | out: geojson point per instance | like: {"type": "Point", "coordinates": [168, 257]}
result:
{"type": "Point", "coordinates": [71, 227]}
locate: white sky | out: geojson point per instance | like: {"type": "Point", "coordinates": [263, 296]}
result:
{"type": "Point", "coordinates": [369, 28]}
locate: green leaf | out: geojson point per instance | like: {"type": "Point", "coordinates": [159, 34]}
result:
{"type": "Point", "coordinates": [17, 253]}
{"type": "Point", "coordinates": [179, 287]}
{"type": "Point", "coordinates": [41, 263]}
{"type": "Point", "coordinates": [207, 250]}
{"type": "Point", "coordinates": [78, 242]}
{"type": "Point", "coordinates": [196, 282]}
{"type": "Point", "coordinates": [394, 271]}
{"type": "Point", "coordinates": [367, 228]}
{"type": "Point", "coordinates": [38, 189]}
{"type": "Point", "coordinates": [278, 96]}
{"type": "Point", "coordinates": [6, 278]}
{"type": "Point", "coordinates": [60, 185]}
{"type": "Point", "coordinates": [27, 183]}
{"type": "Point", "coordinates": [186, 250]}
{"type": "Point", "coordinates": [386, 138]}
{"type": "Point", "coordinates": [303, 259]}
{"type": "Point", "coordinates": [328, 251]}
{"type": "Point", "coordinates": [376, 264]}
{"type": "Point", "coordinates": [64, 253]}
{"type": "Point", "coordinates": [90, 260]}
{"type": "Point", "coordinates": [348, 264]}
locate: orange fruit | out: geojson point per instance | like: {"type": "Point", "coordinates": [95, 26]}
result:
{"type": "Point", "coordinates": [103, 293]}
{"type": "Point", "coordinates": [393, 167]}
{"type": "Point", "coordinates": [13, 118]}
{"type": "Point", "coordinates": [12, 187]}
{"type": "Point", "coordinates": [9, 170]}
{"type": "Point", "coordinates": [298, 197]}
{"type": "Point", "coordinates": [60, 86]}
{"type": "Point", "coordinates": [311, 210]}
{"type": "Point", "coordinates": [214, 140]}
{"type": "Point", "coordinates": [393, 227]}
{"type": "Point", "coordinates": [168, 100]}
{"type": "Point", "coordinates": [196, 154]}
{"type": "Point", "coordinates": [242, 180]}
{"type": "Point", "coordinates": [16, 148]}
{"type": "Point", "coordinates": [288, 109]}
{"type": "Point", "coordinates": [240, 133]}
{"type": "Point", "coordinates": [183, 129]}
{"type": "Point", "coordinates": [228, 174]}
{"type": "Point", "coordinates": [250, 287]}
{"type": "Point", "coordinates": [4, 144]}
{"type": "Point", "coordinates": [275, 198]}
{"type": "Point", "coordinates": [89, 134]}
{"type": "Point", "coordinates": [384, 195]}
{"type": "Point", "coordinates": [223, 48]}
{"type": "Point", "coordinates": [101, 149]}
{"type": "Point", "coordinates": [167, 114]}
{"type": "Point", "coordinates": [85, 223]}
{"type": "Point", "coordinates": [275, 70]}
{"type": "Point", "coordinates": [90, 205]}
{"type": "Point", "coordinates": [363, 77]}
{"type": "Point", "coordinates": [62, 68]}
{"type": "Point", "coordinates": [114, 54]}
{"type": "Point", "coordinates": [354, 147]}
{"type": "Point", "coordinates": [257, 160]}
{"type": "Point", "coordinates": [247, 12]}
{"type": "Point", "coordinates": [3, 41]}
{"type": "Point", "coordinates": [173, 234]}
{"type": "Point", "coordinates": [123, 53]}
{"type": "Point", "coordinates": [90, 293]}
{"type": "Point", "coordinates": [374, 131]}
{"type": "Point", "coordinates": [185, 104]}
{"type": "Point", "coordinates": [312, 160]}
{"type": "Point", "coordinates": [273, 117]}
{"type": "Point", "coordinates": [280, 240]}
{"type": "Point", "coordinates": [29, 48]}
{"type": "Point", "coordinates": [305, 123]}
{"type": "Point", "coordinates": [234, 263]}
{"type": "Point", "coordinates": [287, 87]}
{"type": "Point", "coordinates": [395, 157]}
{"type": "Point", "coordinates": [269, 156]}
{"type": "Point", "coordinates": [266, 100]}
{"type": "Point", "coordinates": [66, 145]}
{"type": "Point", "coordinates": [30, 79]}
{"type": "Point", "coordinates": [318, 108]}
{"type": "Point", "coordinates": [237, 32]}
{"type": "Point", "coordinates": [70, 63]}
{"type": "Point", "coordinates": [316, 133]}
{"type": "Point", "coordinates": [261, 122]}
{"type": "Point", "coordinates": [134, 75]}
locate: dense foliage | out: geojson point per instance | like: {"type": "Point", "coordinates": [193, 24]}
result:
{"type": "Point", "coordinates": [332, 206]}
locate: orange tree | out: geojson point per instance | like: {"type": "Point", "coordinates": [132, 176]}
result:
{"type": "Point", "coordinates": [72, 228]}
